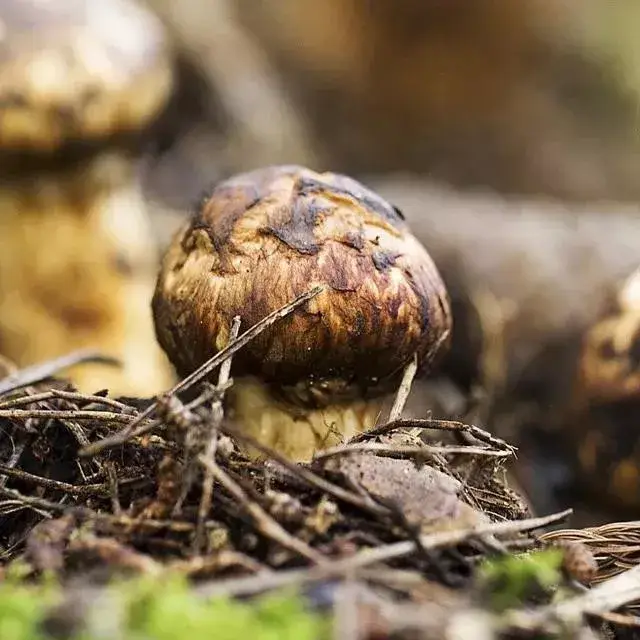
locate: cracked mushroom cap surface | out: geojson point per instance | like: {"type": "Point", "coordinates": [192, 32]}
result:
{"type": "Point", "coordinates": [78, 70]}
{"type": "Point", "coordinates": [262, 238]}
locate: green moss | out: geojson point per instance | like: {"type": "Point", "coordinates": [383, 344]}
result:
{"type": "Point", "coordinates": [161, 609]}
{"type": "Point", "coordinates": [512, 580]}
{"type": "Point", "coordinates": [23, 608]}
{"type": "Point", "coordinates": [172, 611]}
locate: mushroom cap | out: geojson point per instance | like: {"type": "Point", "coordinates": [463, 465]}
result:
{"type": "Point", "coordinates": [262, 238]}
{"type": "Point", "coordinates": [78, 70]}
{"type": "Point", "coordinates": [605, 409]}
{"type": "Point", "coordinates": [609, 369]}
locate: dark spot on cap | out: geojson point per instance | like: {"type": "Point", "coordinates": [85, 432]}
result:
{"type": "Point", "coordinates": [399, 212]}
{"type": "Point", "coordinates": [339, 280]}
{"type": "Point", "coordinates": [384, 260]}
{"type": "Point", "coordinates": [394, 306]}
{"type": "Point", "coordinates": [354, 239]}
{"type": "Point", "coordinates": [346, 186]}
{"type": "Point", "coordinates": [297, 231]}
{"type": "Point", "coordinates": [423, 300]}
{"type": "Point", "coordinates": [219, 211]}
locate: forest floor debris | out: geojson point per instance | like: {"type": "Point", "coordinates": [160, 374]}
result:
{"type": "Point", "coordinates": [410, 530]}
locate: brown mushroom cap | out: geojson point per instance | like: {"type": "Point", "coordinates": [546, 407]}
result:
{"type": "Point", "coordinates": [605, 410]}
{"type": "Point", "coordinates": [78, 70]}
{"type": "Point", "coordinates": [610, 361]}
{"type": "Point", "coordinates": [262, 238]}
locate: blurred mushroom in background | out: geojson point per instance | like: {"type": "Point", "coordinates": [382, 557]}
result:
{"type": "Point", "coordinates": [603, 419]}
{"type": "Point", "coordinates": [81, 86]}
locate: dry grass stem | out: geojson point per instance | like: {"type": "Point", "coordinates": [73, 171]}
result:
{"type": "Point", "coordinates": [97, 416]}
{"type": "Point", "coordinates": [72, 396]}
{"type": "Point", "coordinates": [616, 592]}
{"type": "Point", "coordinates": [216, 416]}
{"type": "Point", "coordinates": [397, 451]}
{"type": "Point", "coordinates": [442, 425]}
{"type": "Point", "coordinates": [404, 390]}
{"type": "Point", "coordinates": [38, 372]}
{"type": "Point", "coordinates": [616, 545]}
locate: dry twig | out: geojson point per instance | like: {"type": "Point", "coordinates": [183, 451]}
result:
{"type": "Point", "coordinates": [366, 558]}
{"type": "Point", "coordinates": [404, 390]}
{"type": "Point", "coordinates": [216, 414]}
{"type": "Point", "coordinates": [606, 597]}
{"type": "Point", "coordinates": [101, 489]}
{"type": "Point", "coordinates": [32, 501]}
{"type": "Point", "coordinates": [442, 425]}
{"type": "Point", "coordinates": [264, 522]}
{"type": "Point", "coordinates": [397, 451]}
{"type": "Point", "coordinates": [38, 372]}
{"type": "Point", "coordinates": [135, 428]}
{"type": "Point", "coordinates": [114, 489]}
{"type": "Point", "coordinates": [307, 475]}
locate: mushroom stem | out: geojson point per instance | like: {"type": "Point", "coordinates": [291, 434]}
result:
{"type": "Point", "coordinates": [79, 270]}
{"type": "Point", "coordinates": [297, 433]}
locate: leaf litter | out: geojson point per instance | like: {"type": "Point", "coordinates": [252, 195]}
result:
{"type": "Point", "coordinates": [395, 522]}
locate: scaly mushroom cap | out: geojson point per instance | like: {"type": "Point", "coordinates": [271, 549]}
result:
{"type": "Point", "coordinates": [78, 70]}
{"type": "Point", "coordinates": [262, 238]}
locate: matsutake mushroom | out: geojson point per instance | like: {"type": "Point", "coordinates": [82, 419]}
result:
{"type": "Point", "coordinates": [319, 376]}
{"type": "Point", "coordinates": [604, 412]}
{"type": "Point", "coordinates": [81, 84]}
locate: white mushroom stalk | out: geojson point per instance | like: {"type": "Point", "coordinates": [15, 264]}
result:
{"type": "Point", "coordinates": [297, 432]}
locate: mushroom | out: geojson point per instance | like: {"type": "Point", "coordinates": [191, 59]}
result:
{"type": "Point", "coordinates": [608, 369]}
{"type": "Point", "coordinates": [603, 417]}
{"type": "Point", "coordinates": [319, 376]}
{"type": "Point", "coordinates": [81, 85]}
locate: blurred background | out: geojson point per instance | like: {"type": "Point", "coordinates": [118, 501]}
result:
{"type": "Point", "coordinates": [535, 97]}
{"type": "Point", "coordinates": [507, 131]}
